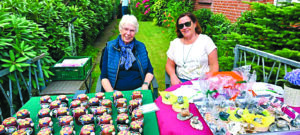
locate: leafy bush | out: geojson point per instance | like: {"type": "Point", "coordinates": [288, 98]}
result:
{"type": "Point", "coordinates": [267, 28]}
{"type": "Point", "coordinates": [20, 40]}
{"type": "Point", "coordinates": [216, 26]}
{"type": "Point", "coordinates": [168, 15]}
{"type": "Point", "coordinates": [30, 28]}
{"type": "Point", "coordinates": [55, 15]}
{"type": "Point", "coordinates": [141, 9]}
{"type": "Point", "coordinates": [158, 12]}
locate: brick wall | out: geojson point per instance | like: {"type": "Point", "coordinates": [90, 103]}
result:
{"type": "Point", "coordinates": [232, 9]}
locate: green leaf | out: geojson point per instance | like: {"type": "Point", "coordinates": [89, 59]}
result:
{"type": "Point", "coordinates": [12, 68]}
{"type": "Point", "coordinates": [24, 64]}
{"type": "Point", "coordinates": [21, 59]}
{"type": "Point", "coordinates": [28, 48]}
{"type": "Point", "coordinates": [19, 69]}
{"type": "Point", "coordinates": [5, 60]}
{"type": "Point", "coordinates": [6, 65]}
{"type": "Point", "coordinates": [12, 55]}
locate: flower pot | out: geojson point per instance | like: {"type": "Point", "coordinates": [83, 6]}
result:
{"type": "Point", "coordinates": [291, 96]}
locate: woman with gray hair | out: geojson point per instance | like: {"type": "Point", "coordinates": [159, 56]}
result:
{"type": "Point", "coordinates": [125, 64]}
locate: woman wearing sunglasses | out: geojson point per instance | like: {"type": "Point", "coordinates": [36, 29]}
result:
{"type": "Point", "coordinates": [192, 54]}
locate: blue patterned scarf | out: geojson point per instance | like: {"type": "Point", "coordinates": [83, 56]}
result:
{"type": "Point", "coordinates": [127, 57]}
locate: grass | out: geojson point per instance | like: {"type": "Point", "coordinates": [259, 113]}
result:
{"type": "Point", "coordinates": [92, 51]}
{"type": "Point", "coordinates": [157, 44]}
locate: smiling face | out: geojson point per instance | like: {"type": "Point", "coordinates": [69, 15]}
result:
{"type": "Point", "coordinates": [187, 31]}
{"type": "Point", "coordinates": [127, 32]}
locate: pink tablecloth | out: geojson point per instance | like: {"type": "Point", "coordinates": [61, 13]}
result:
{"type": "Point", "coordinates": [170, 125]}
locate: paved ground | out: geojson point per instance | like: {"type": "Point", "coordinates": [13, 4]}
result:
{"type": "Point", "coordinates": [101, 41]}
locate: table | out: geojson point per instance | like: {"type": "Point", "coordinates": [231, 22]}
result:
{"type": "Point", "coordinates": [150, 120]}
{"type": "Point", "coordinates": [170, 125]}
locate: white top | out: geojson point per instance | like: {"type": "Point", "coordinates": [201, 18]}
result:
{"type": "Point", "coordinates": [191, 60]}
{"type": "Point", "coordinates": [124, 3]}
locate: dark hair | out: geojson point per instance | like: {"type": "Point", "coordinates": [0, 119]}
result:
{"type": "Point", "coordinates": [193, 18]}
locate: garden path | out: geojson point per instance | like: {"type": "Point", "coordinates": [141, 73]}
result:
{"type": "Point", "coordinates": [103, 38]}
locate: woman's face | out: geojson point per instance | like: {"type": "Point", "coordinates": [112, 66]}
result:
{"type": "Point", "coordinates": [187, 31]}
{"type": "Point", "coordinates": [127, 33]}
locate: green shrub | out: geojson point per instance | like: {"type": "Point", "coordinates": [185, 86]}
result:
{"type": "Point", "coordinates": [267, 28]}
{"type": "Point", "coordinates": [32, 27]}
{"type": "Point", "coordinates": [169, 13]}
{"type": "Point", "coordinates": [141, 9]}
{"type": "Point", "coordinates": [55, 15]}
{"type": "Point", "coordinates": [216, 26]}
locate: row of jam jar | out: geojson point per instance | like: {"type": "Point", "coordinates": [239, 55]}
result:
{"type": "Point", "coordinates": [80, 113]}
{"type": "Point", "coordinates": [23, 124]}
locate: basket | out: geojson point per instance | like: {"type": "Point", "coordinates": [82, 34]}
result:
{"type": "Point", "coordinates": [291, 96]}
{"type": "Point", "coordinates": [72, 73]}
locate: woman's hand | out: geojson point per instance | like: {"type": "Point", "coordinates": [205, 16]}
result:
{"type": "Point", "coordinates": [147, 81]}
{"type": "Point", "coordinates": [145, 87]}
{"type": "Point", "coordinates": [175, 80]}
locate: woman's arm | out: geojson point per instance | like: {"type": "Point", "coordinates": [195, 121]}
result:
{"type": "Point", "coordinates": [104, 81]}
{"type": "Point", "coordinates": [170, 68]}
{"type": "Point", "coordinates": [106, 85]}
{"type": "Point", "coordinates": [148, 80]}
{"type": "Point", "coordinates": [149, 76]}
{"type": "Point", "coordinates": [213, 61]}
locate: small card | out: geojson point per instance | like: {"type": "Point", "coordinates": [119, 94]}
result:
{"type": "Point", "coordinates": [152, 107]}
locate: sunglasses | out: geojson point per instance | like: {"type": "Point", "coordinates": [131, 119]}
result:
{"type": "Point", "coordinates": [187, 24]}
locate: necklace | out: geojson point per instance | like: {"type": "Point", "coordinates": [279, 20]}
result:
{"type": "Point", "coordinates": [187, 56]}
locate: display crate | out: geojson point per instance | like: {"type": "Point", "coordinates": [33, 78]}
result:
{"type": "Point", "coordinates": [72, 73]}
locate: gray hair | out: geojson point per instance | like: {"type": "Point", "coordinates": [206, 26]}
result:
{"type": "Point", "coordinates": [129, 19]}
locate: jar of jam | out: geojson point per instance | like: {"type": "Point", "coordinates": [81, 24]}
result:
{"type": "Point", "coordinates": [63, 99]}
{"type": "Point", "coordinates": [62, 111]}
{"type": "Point", "coordinates": [77, 112]}
{"type": "Point", "coordinates": [87, 130]}
{"type": "Point", "coordinates": [137, 95]}
{"type": "Point", "coordinates": [45, 122]}
{"type": "Point", "coordinates": [22, 114]}
{"type": "Point", "coordinates": [10, 122]}
{"type": "Point", "coordinates": [65, 121]}
{"type": "Point", "coordinates": [55, 104]}
{"type": "Point", "coordinates": [45, 101]}
{"type": "Point", "coordinates": [75, 104]}
{"type": "Point", "coordinates": [100, 95]}
{"type": "Point", "coordinates": [108, 129]}
{"type": "Point", "coordinates": [24, 123]}
{"type": "Point", "coordinates": [44, 112]}
{"type": "Point", "coordinates": [105, 119]}
{"type": "Point", "coordinates": [117, 95]}
{"type": "Point", "coordinates": [46, 131]}
{"type": "Point", "coordinates": [67, 130]}
{"type": "Point", "coordinates": [121, 102]}
{"type": "Point", "coordinates": [86, 119]}
{"type": "Point", "coordinates": [137, 114]}
{"type": "Point", "coordinates": [84, 99]}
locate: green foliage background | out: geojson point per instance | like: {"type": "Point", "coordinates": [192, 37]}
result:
{"type": "Point", "coordinates": [29, 28]}
{"type": "Point", "coordinates": [267, 28]}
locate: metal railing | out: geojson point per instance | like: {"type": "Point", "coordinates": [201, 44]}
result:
{"type": "Point", "coordinates": [35, 64]}
{"type": "Point", "coordinates": [240, 55]}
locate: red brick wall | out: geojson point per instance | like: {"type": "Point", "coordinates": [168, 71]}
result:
{"type": "Point", "coordinates": [232, 9]}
